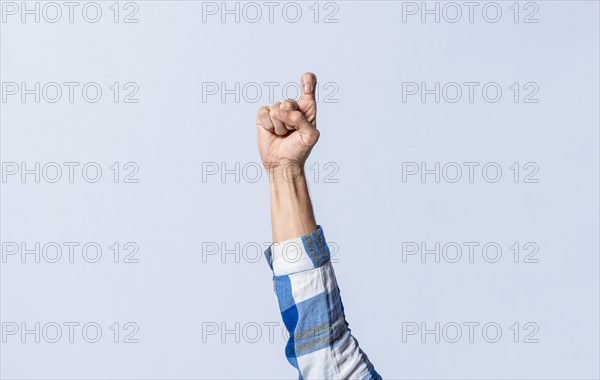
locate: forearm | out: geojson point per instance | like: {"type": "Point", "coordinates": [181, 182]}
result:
{"type": "Point", "coordinates": [321, 345]}
{"type": "Point", "coordinates": [291, 208]}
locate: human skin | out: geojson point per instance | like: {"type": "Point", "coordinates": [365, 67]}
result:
{"type": "Point", "coordinates": [287, 132]}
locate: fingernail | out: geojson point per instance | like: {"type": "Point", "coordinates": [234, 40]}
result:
{"type": "Point", "coordinates": [307, 88]}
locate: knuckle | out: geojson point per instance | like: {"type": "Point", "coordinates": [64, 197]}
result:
{"type": "Point", "coordinates": [313, 137]}
{"type": "Point", "coordinates": [296, 117]}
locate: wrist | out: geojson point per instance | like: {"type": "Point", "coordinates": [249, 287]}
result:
{"type": "Point", "coordinates": [285, 172]}
{"type": "Point", "coordinates": [291, 209]}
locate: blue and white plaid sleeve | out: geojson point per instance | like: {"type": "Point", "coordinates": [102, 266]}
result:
{"type": "Point", "coordinates": [320, 344]}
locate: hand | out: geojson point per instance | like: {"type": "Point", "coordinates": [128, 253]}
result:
{"type": "Point", "coordinates": [288, 131]}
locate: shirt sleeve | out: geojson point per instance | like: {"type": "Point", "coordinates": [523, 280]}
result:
{"type": "Point", "coordinates": [320, 345]}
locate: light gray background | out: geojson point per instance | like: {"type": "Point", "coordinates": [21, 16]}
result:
{"type": "Point", "coordinates": [368, 213]}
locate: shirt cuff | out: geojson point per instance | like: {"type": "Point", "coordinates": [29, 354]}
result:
{"type": "Point", "coordinates": [298, 254]}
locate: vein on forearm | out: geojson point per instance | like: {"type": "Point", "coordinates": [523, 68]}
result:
{"type": "Point", "coordinates": [291, 208]}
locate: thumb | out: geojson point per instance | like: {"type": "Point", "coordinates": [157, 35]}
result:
{"type": "Point", "coordinates": [299, 122]}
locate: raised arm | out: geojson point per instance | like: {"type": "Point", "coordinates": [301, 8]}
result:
{"type": "Point", "coordinates": [320, 344]}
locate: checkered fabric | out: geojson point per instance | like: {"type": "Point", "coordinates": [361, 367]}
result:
{"type": "Point", "coordinates": [320, 344]}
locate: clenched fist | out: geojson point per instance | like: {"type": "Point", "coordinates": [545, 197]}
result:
{"type": "Point", "coordinates": [287, 131]}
